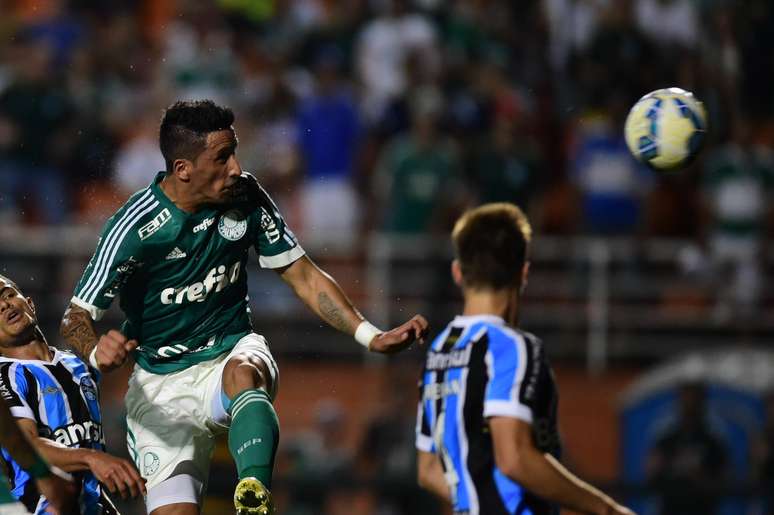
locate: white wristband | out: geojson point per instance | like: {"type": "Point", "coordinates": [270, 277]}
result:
{"type": "Point", "coordinates": [366, 332]}
{"type": "Point", "coordinates": [93, 358]}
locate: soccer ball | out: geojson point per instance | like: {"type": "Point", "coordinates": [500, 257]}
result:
{"type": "Point", "coordinates": [666, 128]}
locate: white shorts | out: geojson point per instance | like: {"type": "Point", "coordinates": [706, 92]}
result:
{"type": "Point", "coordinates": [172, 420]}
{"type": "Point", "coordinates": [15, 508]}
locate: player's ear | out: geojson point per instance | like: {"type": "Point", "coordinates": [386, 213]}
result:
{"type": "Point", "coordinates": [456, 272]}
{"type": "Point", "coordinates": [181, 168]}
{"type": "Point", "coordinates": [32, 305]}
{"type": "Point", "coordinates": [524, 274]}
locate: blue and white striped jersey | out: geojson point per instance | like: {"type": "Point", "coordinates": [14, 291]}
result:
{"type": "Point", "coordinates": [477, 368]}
{"type": "Point", "coordinates": [62, 397]}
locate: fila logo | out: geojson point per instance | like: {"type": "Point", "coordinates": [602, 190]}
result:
{"type": "Point", "coordinates": [176, 254]}
{"type": "Point", "coordinates": [154, 225]}
{"type": "Point", "coordinates": [215, 280]}
{"type": "Point", "coordinates": [204, 225]}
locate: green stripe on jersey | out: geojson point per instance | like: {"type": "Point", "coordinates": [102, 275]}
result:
{"type": "Point", "coordinates": [181, 276]}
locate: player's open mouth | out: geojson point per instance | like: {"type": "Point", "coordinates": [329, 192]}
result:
{"type": "Point", "coordinates": [12, 316]}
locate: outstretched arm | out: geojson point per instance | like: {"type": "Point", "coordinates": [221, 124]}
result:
{"type": "Point", "coordinates": [325, 298]}
{"type": "Point", "coordinates": [107, 352]}
{"type": "Point", "coordinates": [518, 458]}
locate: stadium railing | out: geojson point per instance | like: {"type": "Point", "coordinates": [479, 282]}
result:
{"type": "Point", "coordinates": [594, 299]}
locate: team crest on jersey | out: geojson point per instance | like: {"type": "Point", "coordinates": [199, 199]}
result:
{"type": "Point", "coordinates": [89, 388]}
{"type": "Point", "coordinates": [232, 225]}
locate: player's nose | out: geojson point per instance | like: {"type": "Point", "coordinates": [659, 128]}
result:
{"type": "Point", "coordinates": [234, 169]}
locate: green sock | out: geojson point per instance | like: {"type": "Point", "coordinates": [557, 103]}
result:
{"type": "Point", "coordinates": [254, 434]}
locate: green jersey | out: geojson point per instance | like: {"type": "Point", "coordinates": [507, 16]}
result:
{"type": "Point", "coordinates": [181, 276]}
{"type": "Point", "coordinates": [5, 491]}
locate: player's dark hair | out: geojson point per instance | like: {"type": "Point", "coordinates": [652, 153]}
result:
{"type": "Point", "coordinates": [185, 125]}
{"type": "Point", "coordinates": [9, 282]}
{"type": "Point", "coordinates": [491, 244]}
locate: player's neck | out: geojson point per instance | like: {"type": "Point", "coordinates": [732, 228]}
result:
{"type": "Point", "coordinates": [501, 303]}
{"type": "Point", "coordinates": [177, 194]}
{"type": "Point", "coordinates": [35, 348]}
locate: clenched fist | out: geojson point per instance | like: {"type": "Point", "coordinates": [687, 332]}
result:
{"type": "Point", "coordinates": [112, 350]}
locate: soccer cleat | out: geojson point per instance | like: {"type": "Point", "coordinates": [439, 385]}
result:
{"type": "Point", "coordinates": [252, 498]}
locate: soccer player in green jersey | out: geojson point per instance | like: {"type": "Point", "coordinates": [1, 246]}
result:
{"type": "Point", "coordinates": [175, 253]}
{"type": "Point", "coordinates": [52, 483]}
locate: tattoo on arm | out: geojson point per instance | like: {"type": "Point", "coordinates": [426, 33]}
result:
{"type": "Point", "coordinates": [78, 330]}
{"type": "Point", "coordinates": [333, 313]}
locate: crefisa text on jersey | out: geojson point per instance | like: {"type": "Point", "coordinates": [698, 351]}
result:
{"type": "Point", "coordinates": [217, 278]}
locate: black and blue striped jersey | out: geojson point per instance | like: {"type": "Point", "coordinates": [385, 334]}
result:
{"type": "Point", "coordinates": [478, 368]}
{"type": "Point", "coordinates": [62, 397]}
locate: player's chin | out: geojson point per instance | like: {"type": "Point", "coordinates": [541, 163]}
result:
{"type": "Point", "coordinates": [225, 196]}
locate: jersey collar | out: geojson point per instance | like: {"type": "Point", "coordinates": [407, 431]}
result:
{"type": "Point", "coordinates": [471, 319]}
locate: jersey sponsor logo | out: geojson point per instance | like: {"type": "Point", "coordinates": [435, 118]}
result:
{"type": "Point", "coordinates": [173, 350]}
{"type": "Point", "coordinates": [74, 434]}
{"type": "Point", "coordinates": [50, 390]}
{"type": "Point", "coordinates": [204, 225]}
{"type": "Point", "coordinates": [216, 279]}
{"type": "Point", "coordinates": [123, 272]}
{"type": "Point", "coordinates": [435, 391]}
{"type": "Point", "coordinates": [154, 225]}
{"type": "Point", "coordinates": [269, 226]}
{"type": "Point", "coordinates": [232, 225]}
{"type": "Point", "coordinates": [5, 392]}
{"type": "Point", "coordinates": [530, 385]}
{"type": "Point", "coordinates": [176, 253]}
{"type": "Point", "coordinates": [454, 359]}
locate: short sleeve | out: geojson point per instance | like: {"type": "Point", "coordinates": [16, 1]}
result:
{"type": "Point", "coordinates": [274, 242]}
{"type": "Point", "coordinates": [117, 256]}
{"type": "Point", "coordinates": [14, 389]}
{"type": "Point", "coordinates": [424, 435]}
{"type": "Point", "coordinates": [507, 363]}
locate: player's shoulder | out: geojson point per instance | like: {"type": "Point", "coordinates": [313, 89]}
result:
{"type": "Point", "coordinates": [67, 356]}
{"type": "Point", "coordinates": [13, 370]}
{"type": "Point", "coordinates": [139, 218]}
{"type": "Point", "coordinates": [504, 336]}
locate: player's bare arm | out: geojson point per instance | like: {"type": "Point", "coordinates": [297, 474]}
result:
{"type": "Point", "coordinates": [117, 474]}
{"type": "Point", "coordinates": [110, 350]}
{"type": "Point", "coordinates": [320, 292]}
{"type": "Point", "coordinates": [60, 491]}
{"type": "Point", "coordinates": [430, 475]}
{"type": "Point", "coordinates": [518, 458]}
{"type": "Point", "coordinates": [77, 329]}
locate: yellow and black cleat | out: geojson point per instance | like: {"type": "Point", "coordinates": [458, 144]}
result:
{"type": "Point", "coordinates": [252, 498]}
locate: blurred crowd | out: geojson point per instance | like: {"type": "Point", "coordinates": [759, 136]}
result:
{"type": "Point", "coordinates": [397, 112]}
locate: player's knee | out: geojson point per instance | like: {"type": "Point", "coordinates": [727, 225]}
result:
{"type": "Point", "coordinates": [244, 373]}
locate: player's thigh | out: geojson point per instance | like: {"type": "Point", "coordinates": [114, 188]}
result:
{"type": "Point", "coordinates": [166, 433]}
{"type": "Point", "coordinates": [254, 348]}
